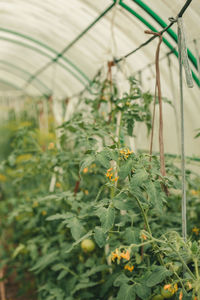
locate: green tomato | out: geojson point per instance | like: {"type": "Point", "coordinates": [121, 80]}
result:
{"type": "Point", "coordinates": [158, 297]}
{"type": "Point", "coordinates": [87, 245]}
{"type": "Point", "coordinates": [166, 294]}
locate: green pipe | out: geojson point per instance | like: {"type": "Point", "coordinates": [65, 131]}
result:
{"type": "Point", "coordinates": [26, 37]}
{"type": "Point", "coordinates": [10, 84]}
{"type": "Point", "coordinates": [44, 54]}
{"type": "Point", "coordinates": [26, 73]}
{"type": "Point", "coordinates": [22, 77]}
{"type": "Point", "coordinates": [55, 59]}
{"type": "Point", "coordinates": [160, 21]}
{"type": "Point", "coordinates": [167, 43]}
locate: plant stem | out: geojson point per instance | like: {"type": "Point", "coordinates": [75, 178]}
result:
{"type": "Point", "coordinates": [155, 246]}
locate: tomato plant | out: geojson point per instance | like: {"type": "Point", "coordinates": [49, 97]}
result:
{"type": "Point", "coordinates": [87, 215]}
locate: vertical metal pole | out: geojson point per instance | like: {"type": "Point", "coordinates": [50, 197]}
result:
{"type": "Point", "coordinates": [184, 221]}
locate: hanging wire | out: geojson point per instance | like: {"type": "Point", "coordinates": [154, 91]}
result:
{"type": "Point", "coordinates": [184, 216]}
{"type": "Point", "coordinates": [171, 79]}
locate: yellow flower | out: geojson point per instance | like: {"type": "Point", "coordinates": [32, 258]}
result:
{"type": "Point", "coordinates": [44, 212]}
{"type": "Point", "coordinates": [189, 285]}
{"type": "Point", "coordinates": [115, 179]}
{"type": "Point", "coordinates": [143, 237]}
{"type": "Point", "coordinates": [194, 192]}
{"type": "Point", "coordinates": [168, 287]}
{"type": "Point", "coordinates": [35, 204]}
{"type": "Point", "coordinates": [115, 254]}
{"type": "Point", "coordinates": [85, 170]}
{"type": "Point", "coordinates": [58, 185]}
{"type": "Point", "coordinates": [180, 296]}
{"type": "Point", "coordinates": [109, 170]}
{"type": "Point", "coordinates": [195, 230]}
{"type": "Point", "coordinates": [125, 255]}
{"type": "Point", "coordinates": [175, 287]}
{"type": "Point", "coordinates": [51, 146]}
{"type": "Point", "coordinates": [86, 192]}
{"type": "Point", "coordinates": [2, 178]}
{"type": "Point", "coordinates": [128, 267]}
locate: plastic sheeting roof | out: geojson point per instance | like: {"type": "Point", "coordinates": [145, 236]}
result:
{"type": "Point", "coordinates": [33, 33]}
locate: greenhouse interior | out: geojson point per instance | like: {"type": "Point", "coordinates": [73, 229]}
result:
{"type": "Point", "coordinates": [100, 150]}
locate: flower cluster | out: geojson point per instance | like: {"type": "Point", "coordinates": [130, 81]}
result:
{"type": "Point", "coordinates": [109, 174]}
{"type": "Point", "coordinates": [171, 288]}
{"type": "Point", "coordinates": [195, 230]}
{"type": "Point", "coordinates": [125, 153]}
{"type": "Point", "coordinates": [129, 268]}
{"type": "Point", "coordinates": [89, 169]}
{"type": "Point", "coordinates": [118, 254]}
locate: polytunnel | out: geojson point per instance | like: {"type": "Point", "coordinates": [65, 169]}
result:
{"type": "Point", "coordinates": [55, 58]}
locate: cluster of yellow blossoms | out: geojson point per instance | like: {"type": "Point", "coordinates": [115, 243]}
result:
{"type": "Point", "coordinates": [89, 169]}
{"type": "Point", "coordinates": [196, 230]}
{"type": "Point", "coordinates": [117, 254]}
{"type": "Point", "coordinates": [125, 153]}
{"type": "Point", "coordinates": [109, 174]}
{"type": "Point", "coordinates": [171, 288]}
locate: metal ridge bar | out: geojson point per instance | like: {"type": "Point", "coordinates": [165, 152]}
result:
{"type": "Point", "coordinates": [55, 59]}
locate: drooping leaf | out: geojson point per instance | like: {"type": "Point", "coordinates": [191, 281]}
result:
{"type": "Point", "coordinates": [157, 276]}
{"type": "Point", "coordinates": [99, 236]}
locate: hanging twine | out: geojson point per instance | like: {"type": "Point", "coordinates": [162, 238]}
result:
{"type": "Point", "coordinates": [158, 88]}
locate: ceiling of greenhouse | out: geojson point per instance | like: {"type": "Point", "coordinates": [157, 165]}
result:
{"type": "Point", "coordinates": [58, 46]}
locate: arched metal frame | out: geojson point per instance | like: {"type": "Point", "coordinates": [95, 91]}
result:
{"type": "Point", "coordinates": [6, 82]}
{"type": "Point", "coordinates": [44, 46]}
{"type": "Point", "coordinates": [46, 91]}
{"type": "Point", "coordinates": [167, 43]}
{"type": "Point", "coordinates": [60, 55]}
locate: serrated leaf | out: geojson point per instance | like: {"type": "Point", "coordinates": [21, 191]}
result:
{"type": "Point", "coordinates": [126, 292]}
{"type": "Point", "coordinates": [157, 276]}
{"type": "Point", "coordinates": [142, 291]}
{"type": "Point", "coordinates": [77, 229]}
{"type": "Point", "coordinates": [60, 217]}
{"type": "Point", "coordinates": [87, 162]}
{"type": "Point", "coordinates": [139, 178]}
{"type": "Point", "coordinates": [45, 261]}
{"type": "Point", "coordinates": [153, 196]}
{"type": "Point", "coordinates": [87, 235]}
{"type": "Point", "coordinates": [121, 279]}
{"type": "Point", "coordinates": [104, 158]}
{"type": "Point", "coordinates": [100, 237]}
{"type": "Point", "coordinates": [17, 251]}
{"type": "Point", "coordinates": [107, 217]}
{"type": "Point", "coordinates": [125, 169]}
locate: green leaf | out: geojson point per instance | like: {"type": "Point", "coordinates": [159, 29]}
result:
{"type": "Point", "coordinates": [45, 261]}
{"type": "Point", "coordinates": [17, 251]}
{"type": "Point", "coordinates": [142, 291]}
{"type": "Point", "coordinates": [60, 217]}
{"type": "Point", "coordinates": [126, 292]}
{"type": "Point", "coordinates": [125, 169]}
{"type": "Point", "coordinates": [139, 178]}
{"type": "Point", "coordinates": [154, 197]}
{"type": "Point", "coordinates": [104, 158]}
{"type": "Point", "coordinates": [157, 276]}
{"type": "Point", "coordinates": [100, 237]}
{"type": "Point", "coordinates": [87, 162]}
{"type": "Point", "coordinates": [87, 235]}
{"type": "Point", "coordinates": [121, 279]}
{"type": "Point", "coordinates": [107, 217]}
{"type": "Point", "coordinates": [77, 230]}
